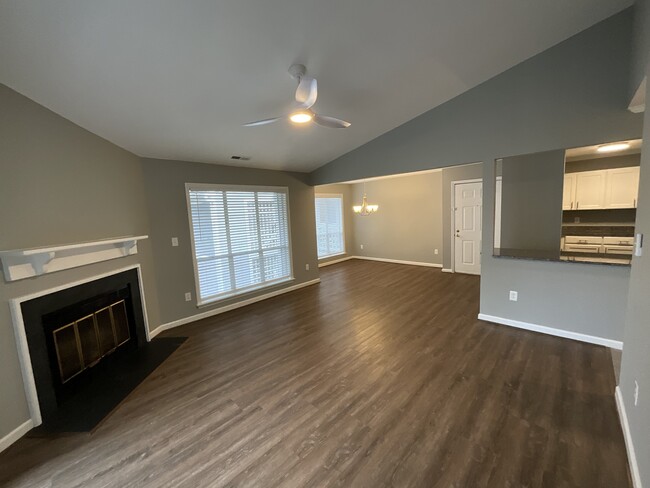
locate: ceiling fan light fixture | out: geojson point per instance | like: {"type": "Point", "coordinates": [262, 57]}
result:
{"type": "Point", "coordinates": [301, 117]}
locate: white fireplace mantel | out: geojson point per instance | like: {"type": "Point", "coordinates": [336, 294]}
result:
{"type": "Point", "coordinates": [26, 263]}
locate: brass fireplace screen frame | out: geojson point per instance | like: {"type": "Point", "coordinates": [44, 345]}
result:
{"type": "Point", "coordinates": [83, 343]}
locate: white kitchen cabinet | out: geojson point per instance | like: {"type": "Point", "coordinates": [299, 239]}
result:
{"type": "Point", "coordinates": [590, 190]}
{"type": "Point", "coordinates": [622, 188]}
{"type": "Point", "coordinates": [569, 191]}
{"type": "Point", "coordinates": [602, 189]}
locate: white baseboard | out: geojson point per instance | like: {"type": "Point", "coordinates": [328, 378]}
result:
{"type": "Point", "coordinates": [334, 261]}
{"type": "Point", "coordinates": [16, 434]}
{"type": "Point", "coordinates": [601, 341]}
{"type": "Point", "coordinates": [627, 435]}
{"type": "Point", "coordinates": [447, 270]}
{"type": "Point", "coordinates": [227, 308]}
{"type": "Point", "coordinates": [399, 261]}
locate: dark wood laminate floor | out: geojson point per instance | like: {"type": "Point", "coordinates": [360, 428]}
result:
{"type": "Point", "coordinates": [379, 376]}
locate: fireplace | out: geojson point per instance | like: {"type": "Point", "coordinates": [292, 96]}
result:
{"type": "Point", "coordinates": [81, 344]}
{"type": "Point", "coordinates": [82, 340]}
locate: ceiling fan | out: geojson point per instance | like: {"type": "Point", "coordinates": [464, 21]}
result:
{"type": "Point", "coordinates": [306, 95]}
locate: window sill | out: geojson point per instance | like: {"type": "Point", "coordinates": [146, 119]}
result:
{"type": "Point", "coordinates": [243, 293]}
{"type": "Point", "coordinates": [332, 255]}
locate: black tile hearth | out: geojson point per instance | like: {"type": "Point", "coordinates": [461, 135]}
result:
{"type": "Point", "coordinates": [107, 387]}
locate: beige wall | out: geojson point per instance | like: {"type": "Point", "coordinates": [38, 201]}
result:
{"type": "Point", "coordinates": [408, 225]}
{"type": "Point", "coordinates": [166, 201]}
{"type": "Point", "coordinates": [60, 184]}
{"type": "Point", "coordinates": [346, 191]}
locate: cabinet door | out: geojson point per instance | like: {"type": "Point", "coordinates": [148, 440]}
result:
{"type": "Point", "coordinates": [569, 192]}
{"type": "Point", "coordinates": [590, 190]}
{"type": "Point", "coordinates": [622, 188]}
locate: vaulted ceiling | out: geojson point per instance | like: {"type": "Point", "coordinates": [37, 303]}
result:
{"type": "Point", "coordinates": [176, 79]}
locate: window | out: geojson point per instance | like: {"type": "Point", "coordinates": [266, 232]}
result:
{"type": "Point", "coordinates": [240, 239]}
{"type": "Point", "coordinates": [329, 225]}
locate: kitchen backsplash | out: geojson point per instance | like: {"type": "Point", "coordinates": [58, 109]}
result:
{"type": "Point", "coordinates": [597, 230]}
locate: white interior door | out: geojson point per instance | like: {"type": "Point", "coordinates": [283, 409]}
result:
{"type": "Point", "coordinates": [468, 204]}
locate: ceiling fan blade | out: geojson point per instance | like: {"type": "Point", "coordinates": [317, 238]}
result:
{"type": "Point", "coordinates": [331, 122]}
{"type": "Point", "coordinates": [262, 122]}
{"type": "Point", "coordinates": [307, 92]}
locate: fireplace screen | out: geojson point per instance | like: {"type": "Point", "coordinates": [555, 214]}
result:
{"type": "Point", "coordinates": [83, 343]}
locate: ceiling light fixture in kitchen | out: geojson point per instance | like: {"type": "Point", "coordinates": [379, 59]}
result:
{"type": "Point", "coordinates": [618, 146]}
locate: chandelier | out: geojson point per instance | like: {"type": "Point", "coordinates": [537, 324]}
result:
{"type": "Point", "coordinates": [365, 209]}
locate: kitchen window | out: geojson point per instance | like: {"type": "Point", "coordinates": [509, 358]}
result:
{"type": "Point", "coordinates": [329, 225]}
{"type": "Point", "coordinates": [240, 239]}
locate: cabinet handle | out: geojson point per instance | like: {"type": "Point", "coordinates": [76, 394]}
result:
{"type": "Point", "coordinates": [577, 205]}
{"type": "Point", "coordinates": [571, 205]}
{"type": "Point", "coordinates": [635, 203]}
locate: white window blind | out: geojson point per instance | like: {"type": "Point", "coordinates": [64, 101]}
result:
{"type": "Point", "coordinates": [240, 239]}
{"type": "Point", "coordinates": [329, 225]}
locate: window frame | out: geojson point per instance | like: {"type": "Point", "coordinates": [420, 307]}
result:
{"type": "Point", "coordinates": [251, 289]}
{"type": "Point", "coordinates": [340, 197]}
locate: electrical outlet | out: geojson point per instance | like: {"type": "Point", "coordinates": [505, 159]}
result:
{"type": "Point", "coordinates": [306, 267]}
{"type": "Point", "coordinates": [435, 251]}
{"type": "Point", "coordinates": [361, 246]}
{"type": "Point", "coordinates": [636, 393]}
{"type": "Point", "coordinates": [576, 220]}
{"type": "Point", "coordinates": [188, 297]}
{"type": "Point", "coordinates": [513, 296]}
{"type": "Point", "coordinates": [174, 241]}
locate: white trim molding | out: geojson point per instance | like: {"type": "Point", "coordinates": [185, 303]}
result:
{"type": "Point", "coordinates": [447, 270]}
{"type": "Point", "coordinates": [567, 334]}
{"type": "Point", "coordinates": [398, 261]}
{"type": "Point", "coordinates": [227, 308]}
{"type": "Point", "coordinates": [627, 435]}
{"type": "Point", "coordinates": [21, 338]}
{"type": "Point", "coordinates": [16, 434]}
{"type": "Point", "coordinates": [334, 261]}
{"type": "Point", "coordinates": [25, 263]}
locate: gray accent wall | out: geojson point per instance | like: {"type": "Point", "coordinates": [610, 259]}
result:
{"type": "Point", "coordinates": [168, 216]}
{"type": "Point", "coordinates": [348, 214]}
{"type": "Point", "coordinates": [635, 365]}
{"type": "Point", "coordinates": [408, 225]}
{"type": "Point", "coordinates": [574, 94]}
{"type": "Point", "coordinates": [60, 184]}
{"type": "Point", "coordinates": [531, 205]}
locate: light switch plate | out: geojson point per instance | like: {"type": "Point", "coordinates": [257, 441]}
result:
{"type": "Point", "coordinates": [513, 296]}
{"type": "Point", "coordinates": [175, 241]}
{"type": "Point", "coordinates": [188, 297]}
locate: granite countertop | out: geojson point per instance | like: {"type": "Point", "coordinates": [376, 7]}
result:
{"type": "Point", "coordinates": [563, 257]}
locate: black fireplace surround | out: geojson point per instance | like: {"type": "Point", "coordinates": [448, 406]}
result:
{"type": "Point", "coordinates": [44, 314]}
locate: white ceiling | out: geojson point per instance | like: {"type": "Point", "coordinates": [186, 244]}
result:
{"type": "Point", "coordinates": [176, 79]}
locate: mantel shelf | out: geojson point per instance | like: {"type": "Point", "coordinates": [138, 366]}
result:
{"type": "Point", "coordinates": [18, 264]}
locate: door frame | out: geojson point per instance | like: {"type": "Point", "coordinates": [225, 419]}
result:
{"type": "Point", "coordinates": [453, 218]}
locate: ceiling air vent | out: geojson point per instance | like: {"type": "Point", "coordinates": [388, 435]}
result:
{"type": "Point", "coordinates": [240, 158]}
